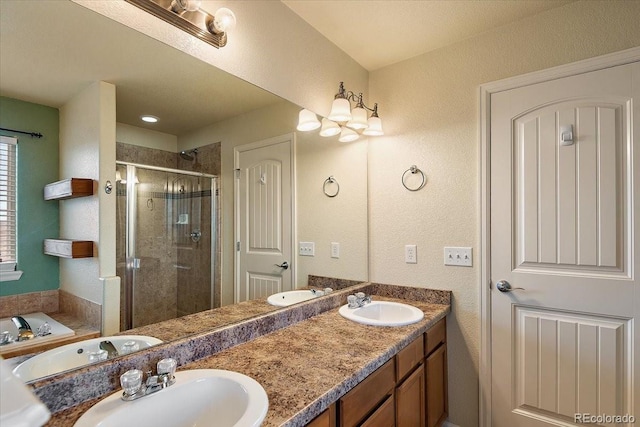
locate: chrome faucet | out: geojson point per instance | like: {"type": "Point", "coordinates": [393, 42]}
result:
{"type": "Point", "coordinates": [109, 348]}
{"type": "Point", "coordinates": [132, 384]}
{"type": "Point", "coordinates": [321, 292]}
{"type": "Point", "coordinates": [24, 329]}
{"type": "Point", "coordinates": [358, 300]}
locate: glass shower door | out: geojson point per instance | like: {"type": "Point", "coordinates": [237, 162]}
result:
{"type": "Point", "coordinates": [168, 250]}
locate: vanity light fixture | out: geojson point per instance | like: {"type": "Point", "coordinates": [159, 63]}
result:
{"type": "Point", "coordinates": [343, 120]}
{"type": "Point", "coordinates": [187, 15]}
{"type": "Point", "coordinates": [149, 119]}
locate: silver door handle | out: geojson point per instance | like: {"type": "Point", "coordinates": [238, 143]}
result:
{"type": "Point", "coordinates": [284, 265]}
{"type": "Point", "coordinates": [504, 286]}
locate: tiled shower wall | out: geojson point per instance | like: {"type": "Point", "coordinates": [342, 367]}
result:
{"type": "Point", "coordinates": [176, 276]}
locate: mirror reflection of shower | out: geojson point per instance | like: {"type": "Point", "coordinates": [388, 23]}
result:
{"type": "Point", "coordinates": [166, 242]}
{"type": "Point", "coordinates": [190, 155]}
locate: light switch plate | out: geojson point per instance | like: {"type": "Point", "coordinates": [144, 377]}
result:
{"type": "Point", "coordinates": [458, 256]}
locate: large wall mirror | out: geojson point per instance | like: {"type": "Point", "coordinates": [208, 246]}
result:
{"type": "Point", "coordinates": [181, 169]}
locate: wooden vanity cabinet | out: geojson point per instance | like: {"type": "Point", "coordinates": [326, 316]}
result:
{"type": "Point", "coordinates": [410, 395]}
{"type": "Point", "coordinates": [410, 390]}
{"type": "Point", "coordinates": [437, 405]}
{"type": "Point", "coordinates": [366, 400]}
{"type": "Point", "coordinates": [325, 419]}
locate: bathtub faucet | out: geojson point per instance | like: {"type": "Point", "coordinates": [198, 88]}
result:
{"type": "Point", "coordinates": [24, 329]}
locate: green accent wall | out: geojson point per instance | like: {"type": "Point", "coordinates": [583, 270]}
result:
{"type": "Point", "coordinates": [38, 162]}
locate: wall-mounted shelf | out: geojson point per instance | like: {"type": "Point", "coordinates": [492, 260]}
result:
{"type": "Point", "coordinates": [68, 248]}
{"type": "Point", "coordinates": [68, 189]}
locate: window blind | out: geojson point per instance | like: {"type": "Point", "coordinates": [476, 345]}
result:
{"type": "Point", "coordinates": [8, 192]}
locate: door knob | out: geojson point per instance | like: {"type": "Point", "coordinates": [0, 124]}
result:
{"type": "Point", "coordinates": [504, 286]}
{"type": "Point", "coordinates": [284, 265]}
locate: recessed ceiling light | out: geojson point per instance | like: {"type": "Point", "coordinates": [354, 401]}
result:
{"type": "Point", "coordinates": [149, 119]}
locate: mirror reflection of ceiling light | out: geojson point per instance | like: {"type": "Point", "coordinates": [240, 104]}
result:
{"type": "Point", "coordinates": [187, 15]}
{"type": "Point", "coordinates": [342, 119]}
{"type": "Point", "coordinates": [149, 119]}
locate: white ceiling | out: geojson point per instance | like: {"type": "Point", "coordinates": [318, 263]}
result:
{"type": "Point", "coordinates": [52, 50]}
{"type": "Point", "coordinates": [378, 33]}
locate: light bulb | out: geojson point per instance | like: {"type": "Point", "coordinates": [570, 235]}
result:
{"type": "Point", "coordinates": [179, 6]}
{"type": "Point", "coordinates": [358, 119]}
{"type": "Point", "coordinates": [340, 110]}
{"type": "Point", "coordinates": [307, 120]}
{"type": "Point", "coordinates": [224, 20]}
{"type": "Point", "coordinates": [329, 128]}
{"type": "Point", "coordinates": [193, 5]}
{"type": "Point", "coordinates": [348, 135]}
{"type": "Point", "coordinates": [375, 127]}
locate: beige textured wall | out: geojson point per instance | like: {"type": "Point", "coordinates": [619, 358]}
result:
{"type": "Point", "coordinates": [429, 105]}
{"type": "Point", "coordinates": [87, 150]}
{"type": "Point", "coordinates": [341, 219]}
{"type": "Point", "coordinates": [146, 138]}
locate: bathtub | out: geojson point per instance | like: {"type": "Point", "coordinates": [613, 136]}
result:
{"type": "Point", "coordinates": [58, 331]}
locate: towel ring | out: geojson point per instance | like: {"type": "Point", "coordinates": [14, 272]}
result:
{"type": "Point", "coordinates": [330, 180]}
{"type": "Point", "coordinates": [414, 170]}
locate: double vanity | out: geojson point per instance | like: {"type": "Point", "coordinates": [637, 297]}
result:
{"type": "Point", "coordinates": [316, 366]}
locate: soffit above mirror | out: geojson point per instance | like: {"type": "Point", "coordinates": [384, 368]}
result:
{"type": "Point", "coordinates": [68, 47]}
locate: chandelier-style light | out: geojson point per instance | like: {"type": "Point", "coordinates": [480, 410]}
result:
{"type": "Point", "coordinates": [348, 123]}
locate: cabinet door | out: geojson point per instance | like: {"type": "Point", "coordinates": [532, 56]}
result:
{"type": "Point", "coordinates": [410, 403]}
{"type": "Point", "coordinates": [384, 416]}
{"type": "Point", "coordinates": [435, 336]}
{"type": "Point", "coordinates": [325, 419]}
{"type": "Point", "coordinates": [409, 357]}
{"type": "Point", "coordinates": [436, 380]}
{"type": "Point", "coordinates": [366, 396]}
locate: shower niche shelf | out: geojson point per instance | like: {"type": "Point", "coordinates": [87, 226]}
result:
{"type": "Point", "coordinates": [68, 189]}
{"type": "Point", "coordinates": [68, 248]}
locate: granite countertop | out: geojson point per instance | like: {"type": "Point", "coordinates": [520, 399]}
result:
{"type": "Point", "coordinates": [306, 366]}
{"type": "Point", "coordinates": [173, 329]}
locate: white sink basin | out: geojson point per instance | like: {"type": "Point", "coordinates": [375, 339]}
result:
{"type": "Point", "coordinates": [73, 355]}
{"type": "Point", "coordinates": [383, 313]}
{"type": "Point", "coordinates": [283, 299]}
{"type": "Point", "coordinates": [200, 397]}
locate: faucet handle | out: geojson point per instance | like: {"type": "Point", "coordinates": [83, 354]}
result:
{"type": "Point", "coordinates": [352, 300]}
{"type": "Point", "coordinates": [131, 382]}
{"type": "Point", "coordinates": [167, 366]}
{"type": "Point", "coordinates": [6, 338]}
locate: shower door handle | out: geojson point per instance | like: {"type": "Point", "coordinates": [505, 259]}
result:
{"type": "Point", "coordinates": [135, 263]}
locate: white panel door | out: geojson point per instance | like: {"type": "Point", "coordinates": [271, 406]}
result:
{"type": "Point", "coordinates": [264, 215]}
{"type": "Point", "coordinates": [563, 217]}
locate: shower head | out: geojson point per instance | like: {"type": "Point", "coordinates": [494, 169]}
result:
{"type": "Point", "coordinates": [189, 155]}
